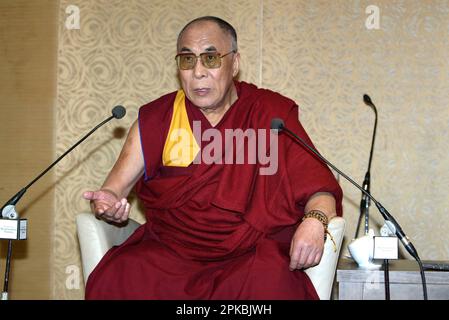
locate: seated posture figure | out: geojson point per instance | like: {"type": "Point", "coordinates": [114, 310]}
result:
{"type": "Point", "coordinates": [233, 211]}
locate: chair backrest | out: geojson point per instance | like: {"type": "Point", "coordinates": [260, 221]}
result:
{"type": "Point", "coordinates": [322, 275]}
{"type": "Point", "coordinates": [96, 237]}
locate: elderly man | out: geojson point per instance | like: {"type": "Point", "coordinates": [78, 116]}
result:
{"type": "Point", "coordinates": [215, 229]}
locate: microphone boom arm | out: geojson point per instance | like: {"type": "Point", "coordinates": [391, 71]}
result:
{"type": "Point", "coordinates": [13, 201]}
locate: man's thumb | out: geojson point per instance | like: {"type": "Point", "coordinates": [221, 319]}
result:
{"type": "Point", "coordinates": [89, 195]}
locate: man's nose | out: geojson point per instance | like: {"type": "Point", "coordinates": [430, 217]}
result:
{"type": "Point", "coordinates": [199, 71]}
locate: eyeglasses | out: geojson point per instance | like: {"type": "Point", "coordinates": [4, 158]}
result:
{"type": "Point", "coordinates": [210, 60]}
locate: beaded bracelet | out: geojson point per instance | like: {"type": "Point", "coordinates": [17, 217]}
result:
{"type": "Point", "coordinates": [320, 216]}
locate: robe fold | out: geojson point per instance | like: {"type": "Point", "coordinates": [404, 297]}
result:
{"type": "Point", "coordinates": [217, 231]}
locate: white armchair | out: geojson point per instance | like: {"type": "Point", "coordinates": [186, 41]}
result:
{"type": "Point", "coordinates": [96, 237]}
{"type": "Point", "coordinates": [323, 274]}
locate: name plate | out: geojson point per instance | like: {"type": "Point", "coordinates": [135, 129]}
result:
{"type": "Point", "coordinates": [13, 229]}
{"type": "Point", "coordinates": [386, 248]}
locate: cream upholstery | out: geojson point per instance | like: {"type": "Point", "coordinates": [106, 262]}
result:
{"type": "Point", "coordinates": [323, 274]}
{"type": "Point", "coordinates": [96, 237]}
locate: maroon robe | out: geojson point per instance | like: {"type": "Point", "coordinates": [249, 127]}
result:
{"type": "Point", "coordinates": [217, 231]}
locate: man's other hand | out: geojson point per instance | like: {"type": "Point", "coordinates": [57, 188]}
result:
{"type": "Point", "coordinates": [106, 205]}
{"type": "Point", "coordinates": [307, 245]}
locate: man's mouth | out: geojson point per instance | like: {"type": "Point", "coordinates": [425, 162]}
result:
{"type": "Point", "coordinates": [201, 91]}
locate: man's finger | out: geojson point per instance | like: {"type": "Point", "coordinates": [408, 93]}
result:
{"type": "Point", "coordinates": [119, 213]}
{"type": "Point", "coordinates": [88, 195]}
{"type": "Point", "coordinates": [319, 256]}
{"type": "Point", "coordinates": [294, 259]}
{"type": "Point", "coordinates": [310, 261]}
{"type": "Point", "coordinates": [94, 195]}
{"type": "Point", "coordinates": [126, 213]}
{"type": "Point", "coordinates": [110, 211]}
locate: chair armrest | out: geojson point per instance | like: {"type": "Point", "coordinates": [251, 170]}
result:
{"type": "Point", "coordinates": [322, 275]}
{"type": "Point", "coordinates": [96, 237]}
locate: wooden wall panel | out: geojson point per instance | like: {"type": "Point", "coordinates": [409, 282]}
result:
{"type": "Point", "coordinates": [28, 50]}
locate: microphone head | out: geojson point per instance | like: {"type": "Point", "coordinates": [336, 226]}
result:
{"type": "Point", "coordinates": [367, 100]}
{"type": "Point", "coordinates": [277, 124]}
{"type": "Point", "coordinates": [118, 112]}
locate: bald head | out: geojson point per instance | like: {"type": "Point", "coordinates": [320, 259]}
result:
{"type": "Point", "coordinates": [224, 26]}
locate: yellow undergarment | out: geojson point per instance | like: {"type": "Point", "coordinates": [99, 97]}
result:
{"type": "Point", "coordinates": [180, 147]}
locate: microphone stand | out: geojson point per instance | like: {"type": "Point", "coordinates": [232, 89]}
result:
{"type": "Point", "coordinates": [365, 201]}
{"type": "Point", "coordinates": [387, 279]}
{"type": "Point", "coordinates": [8, 210]}
{"type": "Point", "coordinates": [392, 224]}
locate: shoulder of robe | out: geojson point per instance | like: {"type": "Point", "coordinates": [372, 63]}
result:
{"type": "Point", "coordinates": [157, 110]}
{"type": "Point", "coordinates": [270, 102]}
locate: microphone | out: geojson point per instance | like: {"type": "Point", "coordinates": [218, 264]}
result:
{"type": "Point", "coordinates": [367, 100]}
{"type": "Point", "coordinates": [365, 201]}
{"type": "Point", "coordinates": [7, 211]}
{"type": "Point", "coordinates": [118, 112]}
{"type": "Point", "coordinates": [278, 125]}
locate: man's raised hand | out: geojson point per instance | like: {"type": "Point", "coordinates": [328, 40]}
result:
{"type": "Point", "coordinates": [106, 205]}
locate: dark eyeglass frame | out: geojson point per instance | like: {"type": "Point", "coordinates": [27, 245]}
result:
{"type": "Point", "coordinates": [202, 57]}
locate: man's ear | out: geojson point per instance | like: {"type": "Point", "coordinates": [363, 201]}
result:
{"type": "Point", "coordinates": [236, 65]}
